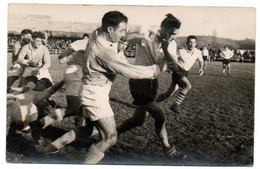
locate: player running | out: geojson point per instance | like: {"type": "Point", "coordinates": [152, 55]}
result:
{"type": "Point", "coordinates": [186, 58]}
{"type": "Point", "coordinates": [205, 56]}
{"type": "Point", "coordinates": [100, 67]}
{"type": "Point", "coordinates": [144, 91]}
{"type": "Point", "coordinates": [226, 54]}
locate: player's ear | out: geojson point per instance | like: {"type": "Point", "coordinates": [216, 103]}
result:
{"type": "Point", "coordinates": [110, 29]}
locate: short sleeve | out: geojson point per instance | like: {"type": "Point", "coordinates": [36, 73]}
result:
{"type": "Point", "coordinates": [172, 48]}
{"type": "Point", "coordinates": [79, 45]}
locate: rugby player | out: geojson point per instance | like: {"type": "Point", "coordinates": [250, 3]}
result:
{"type": "Point", "coordinates": [205, 56]}
{"type": "Point", "coordinates": [144, 91]}
{"type": "Point", "coordinates": [101, 64]}
{"type": "Point", "coordinates": [35, 58]}
{"type": "Point", "coordinates": [25, 107]}
{"type": "Point", "coordinates": [186, 58]}
{"type": "Point", "coordinates": [226, 54]}
{"type": "Point", "coordinates": [15, 71]}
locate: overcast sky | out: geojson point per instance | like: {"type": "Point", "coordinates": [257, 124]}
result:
{"type": "Point", "coordinates": [233, 22]}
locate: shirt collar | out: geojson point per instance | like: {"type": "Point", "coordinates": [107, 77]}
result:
{"type": "Point", "coordinates": [31, 47]}
{"type": "Point", "coordinates": [104, 41]}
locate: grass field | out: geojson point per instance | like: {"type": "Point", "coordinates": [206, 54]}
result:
{"type": "Point", "coordinates": [216, 126]}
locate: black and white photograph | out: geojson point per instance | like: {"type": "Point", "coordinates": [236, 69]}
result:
{"type": "Point", "coordinates": [130, 85]}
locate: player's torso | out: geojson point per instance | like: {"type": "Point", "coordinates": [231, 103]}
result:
{"type": "Point", "coordinates": [149, 52]}
{"type": "Point", "coordinates": [35, 55]}
{"type": "Point", "coordinates": [188, 58]}
{"type": "Point", "coordinates": [93, 72]}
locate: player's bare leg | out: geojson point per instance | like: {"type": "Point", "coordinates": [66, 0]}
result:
{"type": "Point", "coordinates": [171, 90]}
{"type": "Point", "coordinates": [159, 116]}
{"type": "Point", "coordinates": [69, 137]}
{"type": "Point", "coordinates": [107, 129]}
{"type": "Point", "coordinates": [205, 65]}
{"type": "Point", "coordinates": [135, 121]}
{"type": "Point", "coordinates": [228, 69]}
{"type": "Point", "coordinates": [224, 69]}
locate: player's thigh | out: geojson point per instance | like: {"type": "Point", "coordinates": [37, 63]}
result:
{"type": "Point", "coordinates": [156, 111]}
{"type": "Point", "coordinates": [106, 126]}
{"type": "Point", "coordinates": [140, 114]}
{"type": "Point", "coordinates": [228, 65]}
{"type": "Point", "coordinates": [184, 82]}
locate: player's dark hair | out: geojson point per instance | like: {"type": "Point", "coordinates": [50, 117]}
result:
{"type": "Point", "coordinates": [38, 35]}
{"type": "Point", "coordinates": [26, 31]}
{"type": "Point", "coordinates": [113, 19]}
{"type": "Point", "coordinates": [191, 37]}
{"type": "Point", "coordinates": [33, 79]}
{"type": "Point", "coordinates": [85, 35]}
{"type": "Point", "coordinates": [171, 22]}
{"type": "Point", "coordinates": [47, 82]}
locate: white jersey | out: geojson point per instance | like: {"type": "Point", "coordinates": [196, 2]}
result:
{"type": "Point", "coordinates": [226, 54]}
{"type": "Point", "coordinates": [187, 58]}
{"type": "Point", "coordinates": [205, 52]}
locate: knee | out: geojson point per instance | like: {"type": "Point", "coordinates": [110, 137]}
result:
{"type": "Point", "coordinates": [160, 120]}
{"type": "Point", "coordinates": [186, 87]}
{"type": "Point", "coordinates": [111, 139]}
{"type": "Point", "coordinates": [138, 122]}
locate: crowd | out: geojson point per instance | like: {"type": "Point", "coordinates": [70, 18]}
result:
{"type": "Point", "coordinates": [57, 44]}
{"type": "Point", "coordinates": [54, 43]}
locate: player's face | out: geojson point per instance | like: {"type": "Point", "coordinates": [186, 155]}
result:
{"type": "Point", "coordinates": [191, 43]}
{"type": "Point", "coordinates": [115, 34]}
{"type": "Point", "coordinates": [26, 38]}
{"type": "Point", "coordinates": [169, 34]}
{"type": "Point", "coordinates": [37, 42]}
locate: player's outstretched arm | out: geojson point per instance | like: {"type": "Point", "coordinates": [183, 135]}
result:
{"type": "Point", "coordinates": [63, 57]}
{"type": "Point", "coordinates": [109, 61]}
{"type": "Point", "coordinates": [48, 92]}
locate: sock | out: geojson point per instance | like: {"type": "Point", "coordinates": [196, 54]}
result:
{"type": "Point", "coordinates": [180, 97]}
{"type": "Point", "coordinates": [93, 155]}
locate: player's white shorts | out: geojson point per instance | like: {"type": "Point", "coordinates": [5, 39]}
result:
{"type": "Point", "coordinates": [96, 101]}
{"type": "Point", "coordinates": [44, 73]}
{"type": "Point", "coordinates": [72, 79]}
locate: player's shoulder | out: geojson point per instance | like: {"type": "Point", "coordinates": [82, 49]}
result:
{"type": "Point", "coordinates": [198, 52]}
{"type": "Point", "coordinates": [44, 47]}
{"type": "Point", "coordinates": [25, 47]}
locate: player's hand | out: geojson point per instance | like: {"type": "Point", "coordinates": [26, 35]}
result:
{"type": "Point", "coordinates": [35, 72]}
{"type": "Point", "coordinates": [201, 72]}
{"type": "Point", "coordinates": [26, 62]}
{"type": "Point", "coordinates": [162, 97]}
{"type": "Point", "coordinates": [63, 60]}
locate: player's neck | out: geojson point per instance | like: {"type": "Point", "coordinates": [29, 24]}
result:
{"type": "Point", "coordinates": [102, 33]}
